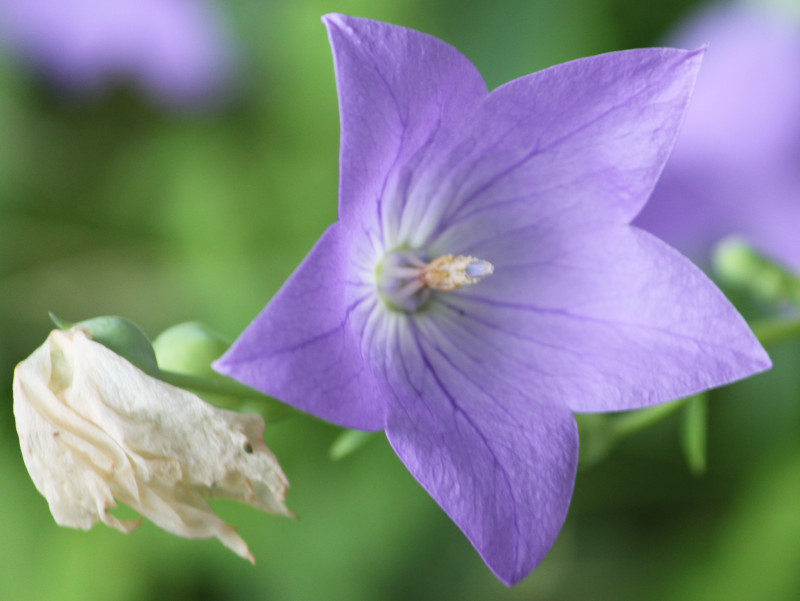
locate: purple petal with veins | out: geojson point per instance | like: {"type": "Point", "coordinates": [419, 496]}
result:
{"type": "Point", "coordinates": [736, 167]}
{"type": "Point", "coordinates": [483, 281]}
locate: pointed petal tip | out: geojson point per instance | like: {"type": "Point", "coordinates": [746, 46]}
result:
{"type": "Point", "coordinates": [693, 58]}
{"type": "Point", "coordinates": [756, 359]}
{"type": "Point", "coordinates": [221, 365]}
{"type": "Point", "coordinates": [227, 364]}
{"type": "Point", "coordinates": [762, 362]}
{"type": "Point", "coordinates": [232, 362]}
{"type": "Point", "coordinates": [699, 52]}
{"type": "Point", "coordinates": [511, 509]}
{"type": "Point", "coordinates": [697, 55]}
{"type": "Point", "coordinates": [689, 54]}
{"type": "Point", "coordinates": [331, 20]}
{"type": "Point", "coordinates": [511, 574]}
{"type": "Point", "coordinates": [513, 577]}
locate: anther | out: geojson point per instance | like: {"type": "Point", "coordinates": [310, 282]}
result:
{"type": "Point", "coordinates": [449, 272]}
{"type": "Point", "coordinates": [406, 281]}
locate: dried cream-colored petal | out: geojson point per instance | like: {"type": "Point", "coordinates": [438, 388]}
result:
{"type": "Point", "coordinates": [93, 428]}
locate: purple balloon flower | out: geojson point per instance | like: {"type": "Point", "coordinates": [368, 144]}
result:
{"type": "Point", "coordinates": [482, 282]}
{"type": "Point", "coordinates": [175, 49]}
{"type": "Point", "coordinates": [736, 166]}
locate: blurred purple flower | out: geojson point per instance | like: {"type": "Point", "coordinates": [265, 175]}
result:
{"type": "Point", "coordinates": [395, 320]}
{"type": "Point", "coordinates": [736, 166]}
{"type": "Point", "coordinates": [177, 50]}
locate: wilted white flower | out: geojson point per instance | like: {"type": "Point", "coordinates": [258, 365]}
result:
{"type": "Point", "coordinates": [93, 428]}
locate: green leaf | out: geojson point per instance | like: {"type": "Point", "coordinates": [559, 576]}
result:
{"type": "Point", "coordinates": [597, 438]}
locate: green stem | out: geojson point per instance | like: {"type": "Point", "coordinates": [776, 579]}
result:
{"type": "Point", "coordinates": [223, 386]}
{"type": "Point", "coordinates": [600, 433]}
{"type": "Point", "coordinates": [634, 421]}
{"type": "Point", "coordinates": [206, 384]}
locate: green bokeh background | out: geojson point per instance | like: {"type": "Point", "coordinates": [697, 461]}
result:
{"type": "Point", "coordinates": [113, 207]}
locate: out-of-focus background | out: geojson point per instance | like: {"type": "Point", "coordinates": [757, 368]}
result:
{"type": "Point", "coordinates": [188, 185]}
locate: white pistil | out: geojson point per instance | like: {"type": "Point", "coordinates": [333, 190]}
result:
{"type": "Point", "coordinates": [406, 281]}
{"type": "Point", "coordinates": [449, 272]}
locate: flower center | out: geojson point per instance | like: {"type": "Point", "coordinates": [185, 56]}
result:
{"type": "Point", "coordinates": [406, 281]}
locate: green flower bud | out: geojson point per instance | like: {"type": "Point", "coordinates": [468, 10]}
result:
{"type": "Point", "coordinates": [123, 337]}
{"type": "Point", "coordinates": [189, 348]}
{"type": "Point", "coordinates": [741, 265]}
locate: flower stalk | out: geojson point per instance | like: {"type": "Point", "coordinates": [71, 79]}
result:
{"type": "Point", "coordinates": [776, 330]}
{"type": "Point", "coordinates": [601, 433]}
{"type": "Point", "coordinates": [270, 408]}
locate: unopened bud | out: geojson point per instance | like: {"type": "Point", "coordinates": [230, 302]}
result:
{"type": "Point", "coordinates": [189, 348]}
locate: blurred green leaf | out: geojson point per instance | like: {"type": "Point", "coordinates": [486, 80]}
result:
{"type": "Point", "coordinates": [348, 442]}
{"type": "Point", "coordinates": [694, 433]}
{"type": "Point", "coordinates": [754, 552]}
{"type": "Point", "coordinates": [596, 438]}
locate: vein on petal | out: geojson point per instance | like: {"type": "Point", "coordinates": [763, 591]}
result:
{"type": "Point", "coordinates": [500, 468]}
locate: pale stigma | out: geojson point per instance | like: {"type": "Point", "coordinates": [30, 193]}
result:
{"type": "Point", "coordinates": [406, 281]}
{"type": "Point", "coordinates": [449, 272]}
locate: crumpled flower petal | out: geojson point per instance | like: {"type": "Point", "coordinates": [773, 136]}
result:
{"type": "Point", "coordinates": [93, 428]}
{"type": "Point", "coordinates": [583, 312]}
